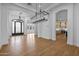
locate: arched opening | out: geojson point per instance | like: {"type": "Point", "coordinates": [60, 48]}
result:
{"type": "Point", "coordinates": [61, 26]}
{"type": "Point", "coordinates": [17, 27]}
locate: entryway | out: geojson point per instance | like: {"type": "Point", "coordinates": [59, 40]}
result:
{"type": "Point", "coordinates": [17, 27]}
{"type": "Point", "coordinates": [61, 26]}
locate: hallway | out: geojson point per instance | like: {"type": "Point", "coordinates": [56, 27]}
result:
{"type": "Point", "coordinates": [31, 45]}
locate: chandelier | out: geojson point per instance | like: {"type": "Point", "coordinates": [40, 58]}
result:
{"type": "Point", "coordinates": [40, 12]}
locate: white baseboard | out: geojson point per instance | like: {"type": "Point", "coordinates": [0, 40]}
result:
{"type": "Point", "coordinates": [77, 45]}
{"type": "Point", "coordinates": [3, 43]}
{"type": "Point", "coordinates": [70, 44]}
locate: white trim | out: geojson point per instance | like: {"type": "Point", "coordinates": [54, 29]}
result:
{"type": "Point", "coordinates": [3, 44]}
{"type": "Point", "coordinates": [77, 45]}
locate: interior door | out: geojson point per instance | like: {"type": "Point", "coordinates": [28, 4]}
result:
{"type": "Point", "coordinates": [17, 27]}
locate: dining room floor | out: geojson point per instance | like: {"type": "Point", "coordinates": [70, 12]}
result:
{"type": "Point", "coordinates": [31, 45]}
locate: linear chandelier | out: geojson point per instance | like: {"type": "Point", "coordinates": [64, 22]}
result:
{"type": "Point", "coordinates": [40, 11]}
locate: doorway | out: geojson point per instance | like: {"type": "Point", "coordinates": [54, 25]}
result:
{"type": "Point", "coordinates": [61, 26]}
{"type": "Point", "coordinates": [17, 27]}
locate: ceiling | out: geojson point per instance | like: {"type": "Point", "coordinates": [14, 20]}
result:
{"type": "Point", "coordinates": [35, 7]}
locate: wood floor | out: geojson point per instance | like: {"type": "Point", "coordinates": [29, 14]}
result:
{"type": "Point", "coordinates": [33, 46]}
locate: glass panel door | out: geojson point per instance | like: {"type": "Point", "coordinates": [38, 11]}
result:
{"type": "Point", "coordinates": [22, 26]}
{"type": "Point", "coordinates": [18, 27]}
{"type": "Point", "coordinates": [12, 27]}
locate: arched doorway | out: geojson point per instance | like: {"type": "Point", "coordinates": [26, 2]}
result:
{"type": "Point", "coordinates": [61, 26]}
{"type": "Point", "coordinates": [70, 34]}
{"type": "Point", "coordinates": [17, 27]}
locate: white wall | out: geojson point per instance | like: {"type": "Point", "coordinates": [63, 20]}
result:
{"type": "Point", "coordinates": [36, 29]}
{"type": "Point", "coordinates": [0, 23]}
{"type": "Point", "coordinates": [45, 30]}
{"type": "Point", "coordinates": [39, 29]}
{"type": "Point", "coordinates": [52, 23]}
{"type": "Point", "coordinates": [4, 36]}
{"type": "Point", "coordinates": [76, 24]}
{"type": "Point", "coordinates": [42, 29]}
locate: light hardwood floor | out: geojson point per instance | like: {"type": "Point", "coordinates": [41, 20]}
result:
{"type": "Point", "coordinates": [31, 45]}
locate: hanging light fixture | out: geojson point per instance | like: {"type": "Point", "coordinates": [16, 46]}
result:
{"type": "Point", "coordinates": [36, 10]}
{"type": "Point", "coordinates": [20, 16]}
{"type": "Point", "coordinates": [41, 13]}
